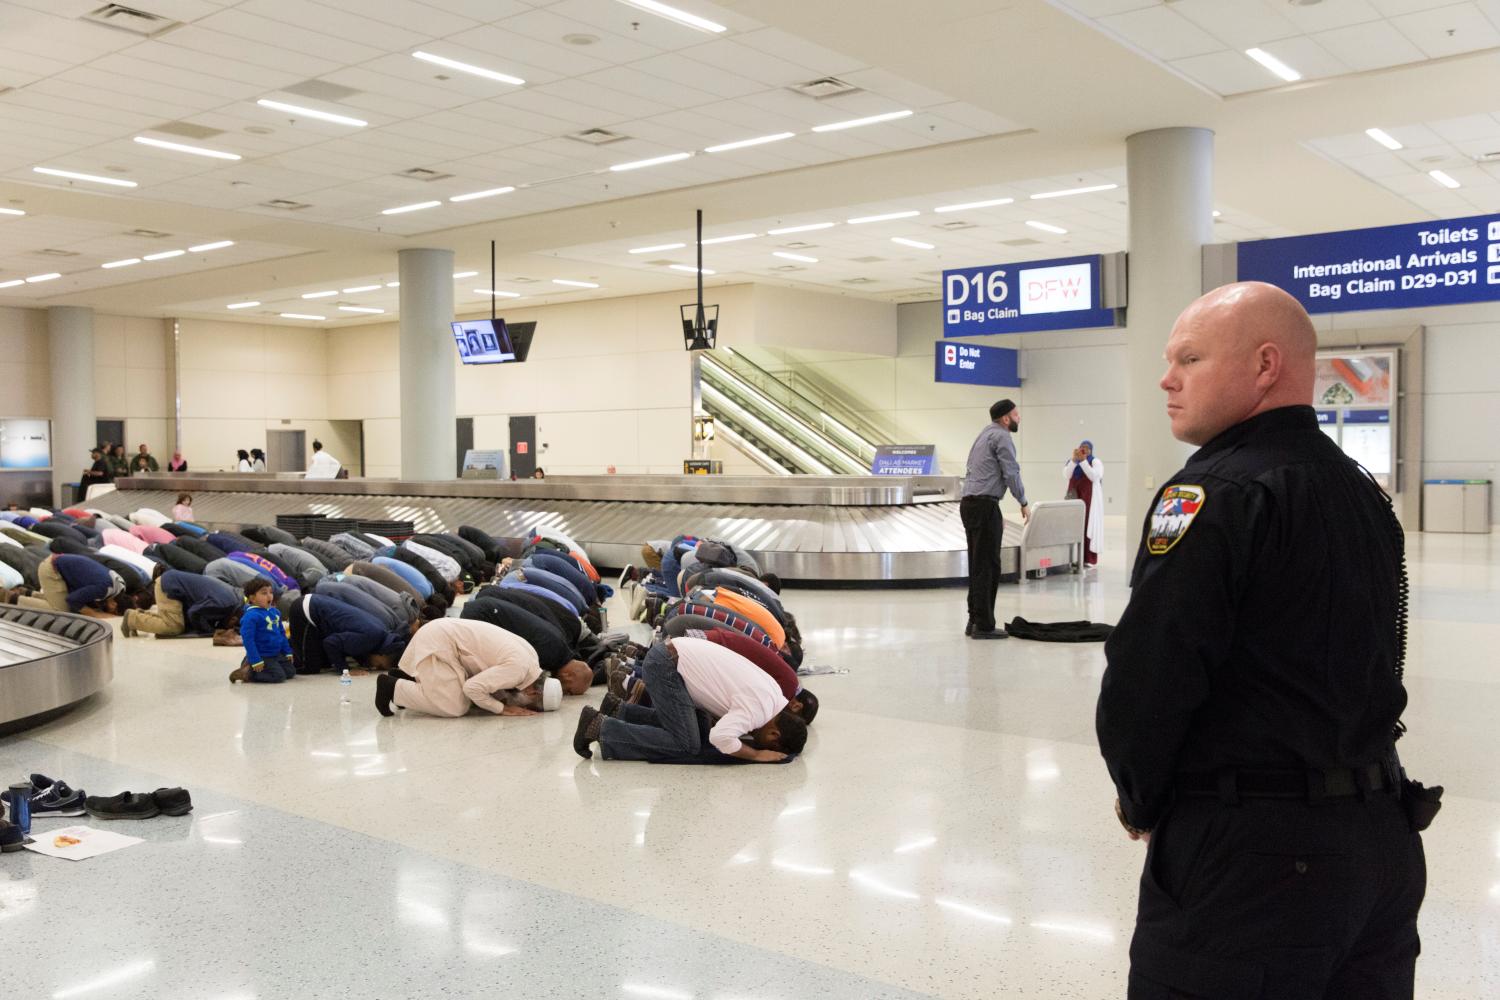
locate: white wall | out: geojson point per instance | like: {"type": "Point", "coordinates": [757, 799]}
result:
{"type": "Point", "coordinates": [24, 387]}
{"type": "Point", "coordinates": [133, 380]}
{"type": "Point", "coordinates": [1074, 389]}
{"type": "Point", "coordinates": [607, 380]}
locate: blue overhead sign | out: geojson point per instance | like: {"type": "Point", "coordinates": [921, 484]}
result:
{"type": "Point", "coordinates": [972, 364]}
{"type": "Point", "coordinates": [905, 460]}
{"type": "Point", "coordinates": [1060, 294]}
{"type": "Point", "coordinates": [1388, 267]}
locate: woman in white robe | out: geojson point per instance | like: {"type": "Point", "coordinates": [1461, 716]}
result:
{"type": "Point", "coordinates": [1085, 475]}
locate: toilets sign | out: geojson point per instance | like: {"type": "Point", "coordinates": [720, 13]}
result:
{"type": "Point", "coordinates": [1388, 267]}
{"type": "Point", "coordinates": [1015, 298]}
{"type": "Point", "coordinates": [972, 364]}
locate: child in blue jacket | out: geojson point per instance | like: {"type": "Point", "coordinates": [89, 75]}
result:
{"type": "Point", "coordinates": [268, 654]}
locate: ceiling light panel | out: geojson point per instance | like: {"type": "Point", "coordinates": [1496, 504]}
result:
{"type": "Point", "coordinates": [678, 15]}
{"type": "Point", "coordinates": [476, 195]}
{"type": "Point", "coordinates": [416, 207]}
{"type": "Point", "coordinates": [574, 284]}
{"type": "Point", "coordinates": [889, 116]}
{"type": "Point", "coordinates": [731, 239]}
{"type": "Point", "coordinates": [470, 68]}
{"type": "Point", "coordinates": [886, 217]}
{"type": "Point", "coordinates": [809, 227]}
{"type": "Point", "coordinates": [654, 161]}
{"type": "Point", "coordinates": [121, 263]}
{"type": "Point", "coordinates": [726, 147]}
{"type": "Point", "coordinates": [973, 205]}
{"type": "Point", "coordinates": [1070, 192]}
{"type": "Point", "coordinates": [1383, 137]}
{"type": "Point", "coordinates": [73, 175]}
{"type": "Point", "coordinates": [690, 269]}
{"type": "Point", "coordinates": [1274, 65]}
{"type": "Point", "coordinates": [242, 305]}
{"type": "Point", "coordinates": [659, 247]}
{"type": "Point", "coordinates": [164, 255]}
{"type": "Point", "coordinates": [1047, 227]}
{"type": "Point", "coordinates": [916, 244]}
{"type": "Point", "coordinates": [182, 147]}
{"type": "Point", "coordinates": [323, 116]}
{"type": "Point", "coordinates": [785, 255]}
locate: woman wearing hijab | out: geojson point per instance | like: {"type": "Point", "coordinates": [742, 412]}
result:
{"type": "Point", "coordinates": [178, 463]}
{"type": "Point", "coordinates": [257, 460]}
{"type": "Point", "coordinates": [244, 457]}
{"type": "Point", "coordinates": [1085, 473]}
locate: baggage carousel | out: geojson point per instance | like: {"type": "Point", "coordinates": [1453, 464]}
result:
{"type": "Point", "coordinates": [48, 661]}
{"type": "Point", "coordinates": [814, 530]}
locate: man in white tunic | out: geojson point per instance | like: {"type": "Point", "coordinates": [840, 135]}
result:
{"type": "Point", "coordinates": [454, 663]}
{"type": "Point", "coordinates": [323, 465]}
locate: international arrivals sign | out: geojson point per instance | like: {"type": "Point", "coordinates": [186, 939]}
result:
{"type": "Point", "coordinates": [1389, 267]}
{"type": "Point", "coordinates": [1062, 294]}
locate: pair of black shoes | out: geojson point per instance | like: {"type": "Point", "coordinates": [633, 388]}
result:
{"type": "Point", "coordinates": [993, 633]}
{"type": "Point", "coordinates": [140, 805]}
{"type": "Point", "coordinates": [385, 690]}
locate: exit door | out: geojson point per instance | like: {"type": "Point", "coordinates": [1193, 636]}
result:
{"type": "Point", "coordinates": [522, 446]}
{"type": "Point", "coordinates": [286, 451]}
{"type": "Point", "coordinates": [465, 442]}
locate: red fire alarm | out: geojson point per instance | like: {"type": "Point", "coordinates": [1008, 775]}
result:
{"type": "Point", "coordinates": [522, 447]}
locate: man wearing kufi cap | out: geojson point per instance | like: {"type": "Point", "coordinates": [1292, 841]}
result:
{"type": "Point", "coordinates": [992, 470]}
{"type": "Point", "coordinates": [454, 663]}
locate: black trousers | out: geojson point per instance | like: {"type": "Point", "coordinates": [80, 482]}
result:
{"type": "Point", "coordinates": [983, 530]}
{"type": "Point", "coordinates": [307, 642]}
{"type": "Point", "coordinates": [1279, 900]}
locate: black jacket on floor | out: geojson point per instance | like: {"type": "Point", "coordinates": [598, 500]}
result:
{"type": "Point", "coordinates": [1020, 628]}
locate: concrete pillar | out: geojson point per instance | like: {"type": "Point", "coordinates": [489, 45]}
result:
{"type": "Point", "coordinates": [1170, 179]}
{"type": "Point", "coordinates": [70, 357]}
{"type": "Point", "coordinates": [429, 432]}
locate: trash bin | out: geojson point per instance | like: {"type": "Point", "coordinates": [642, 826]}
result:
{"type": "Point", "coordinates": [1456, 505]}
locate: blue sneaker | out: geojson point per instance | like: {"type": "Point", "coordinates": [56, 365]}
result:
{"type": "Point", "coordinates": [58, 800]}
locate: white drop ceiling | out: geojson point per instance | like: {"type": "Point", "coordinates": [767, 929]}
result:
{"type": "Point", "coordinates": [1205, 40]}
{"type": "Point", "coordinates": [1007, 98]}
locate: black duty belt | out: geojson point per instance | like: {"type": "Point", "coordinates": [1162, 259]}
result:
{"type": "Point", "coordinates": [981, 496]}
{"type": "Point", "coordinates": [1230, 785]}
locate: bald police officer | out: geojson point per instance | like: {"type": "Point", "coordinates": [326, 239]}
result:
{"type": "Point", "coordinates": [992, 470]}
{"type": "Point", "coordinates": [1253, 690]}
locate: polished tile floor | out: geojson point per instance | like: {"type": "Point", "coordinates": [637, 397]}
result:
{"type": "Point", "coordinates": [948, 834]}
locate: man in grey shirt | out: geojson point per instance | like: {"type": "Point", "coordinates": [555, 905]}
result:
{"type": "Point", "coordinates": [991, 471]}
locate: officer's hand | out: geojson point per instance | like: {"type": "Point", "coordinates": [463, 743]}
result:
{"type": "Point", "coordinates": [1025, 513]}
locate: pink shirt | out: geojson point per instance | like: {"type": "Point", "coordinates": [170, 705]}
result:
{"type": "Point", "coordinates": [152, 535]}
{"type": "Point", "coordinates": [182, 512]}
{"type": "Point", "coordinates": [725, 684]}
{"type": "Point", "coordinates": [485, 658]}
{"type": "Point", "coordinates": [124, 539]}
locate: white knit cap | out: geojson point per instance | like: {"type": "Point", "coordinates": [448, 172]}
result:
{"type": "Point", "coordinates": [551, 694]}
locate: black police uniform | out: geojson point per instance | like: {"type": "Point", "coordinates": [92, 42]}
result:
{"type": "Point", "coordinates": [1247, 717]}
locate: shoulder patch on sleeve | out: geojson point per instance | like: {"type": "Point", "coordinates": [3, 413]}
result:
{"type": "Point", "coordinates": [1173, 515]}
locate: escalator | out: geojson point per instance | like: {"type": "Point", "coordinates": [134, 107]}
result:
{"type": "Point", "coordinates": [782, 430]}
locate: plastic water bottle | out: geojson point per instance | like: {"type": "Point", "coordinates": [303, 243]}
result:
{"type": "Point", "coordinates": [346, 685]}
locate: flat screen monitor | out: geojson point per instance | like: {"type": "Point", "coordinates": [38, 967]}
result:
{"type": "Point", "coordinates": [483, 342]}
{"type": "Point", "coordinates": [520, 339]}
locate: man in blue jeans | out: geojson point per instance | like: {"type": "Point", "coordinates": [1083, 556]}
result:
{"type": "Point", "coordinates": [701, 693]}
